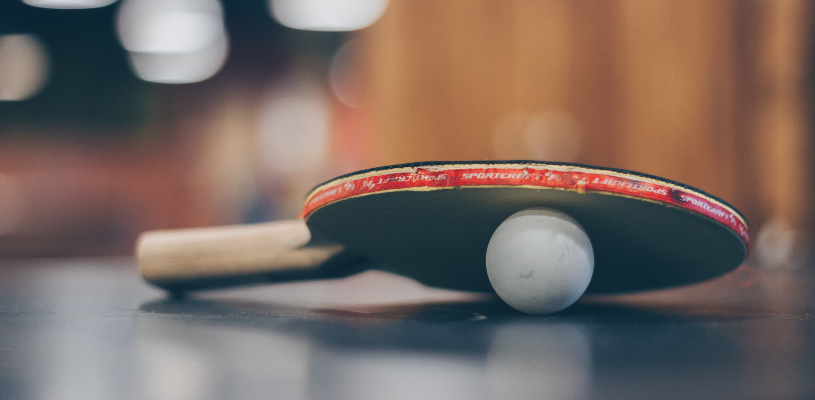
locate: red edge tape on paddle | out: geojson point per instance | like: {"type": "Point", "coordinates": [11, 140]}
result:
{"type": "Point", "coordinates": [580, 179]}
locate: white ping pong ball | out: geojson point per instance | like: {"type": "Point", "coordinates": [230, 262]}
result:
{"type": "Point", "coordinates": [540, 261]}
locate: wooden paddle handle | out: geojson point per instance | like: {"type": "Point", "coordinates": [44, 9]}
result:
{"type": "Point", "coordinates": [199, 258]}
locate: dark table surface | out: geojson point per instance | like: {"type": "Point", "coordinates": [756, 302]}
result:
{"type": "Point", "coordinates": [92, 329]}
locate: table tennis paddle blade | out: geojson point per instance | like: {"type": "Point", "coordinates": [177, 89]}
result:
{"type": "Point", "coordinates": [217, 257]}
{"type": "Point", "coordinates": [432, 221]}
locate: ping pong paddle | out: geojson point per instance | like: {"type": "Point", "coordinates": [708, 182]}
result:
{"type": "Point", "coordinates": [432, 221]}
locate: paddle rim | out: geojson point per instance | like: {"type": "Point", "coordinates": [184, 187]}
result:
{"type": "Point", "coordinates": [427, 176]}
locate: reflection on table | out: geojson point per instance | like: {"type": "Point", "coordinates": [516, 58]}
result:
{"type": "Point", "coordinates": [92, 329]}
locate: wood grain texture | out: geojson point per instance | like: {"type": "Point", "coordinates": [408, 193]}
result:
{"type": "Point", "coordinates": [712, 94]}
{"type": "Point", "coordinates": [781, 143]}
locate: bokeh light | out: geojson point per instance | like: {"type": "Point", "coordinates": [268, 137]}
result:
{"type": "Point", "coordinates": [173, 41]}
{"type": "Point", "coordinates": [69, 4]}
{"type": "Point", "coordinates": [181, 67]}
{"type": "Point", "coordinates": [146, 26]}
{"type": "Point", "coordinates": [25, 66]}
{"type": "Point", "coordinates": [778, 246]}
{"type": "Point", "coordinates": [344, 75]}
{"type": "Point", "coordinates": [294, 126]}
{"type": "Point", "coordinates": [552, 135]}
{"type": "Point", "coordinates": [327, 15]}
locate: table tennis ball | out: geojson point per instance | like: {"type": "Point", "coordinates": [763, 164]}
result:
{"type": "Point", "coordinates": [540, 261]}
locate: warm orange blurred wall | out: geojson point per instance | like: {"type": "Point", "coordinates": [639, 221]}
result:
{"type": "Point", "coordinates": [714, 94]}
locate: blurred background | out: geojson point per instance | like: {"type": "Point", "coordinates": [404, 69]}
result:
{"type": "Point", "coordinates": [122, 116]}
